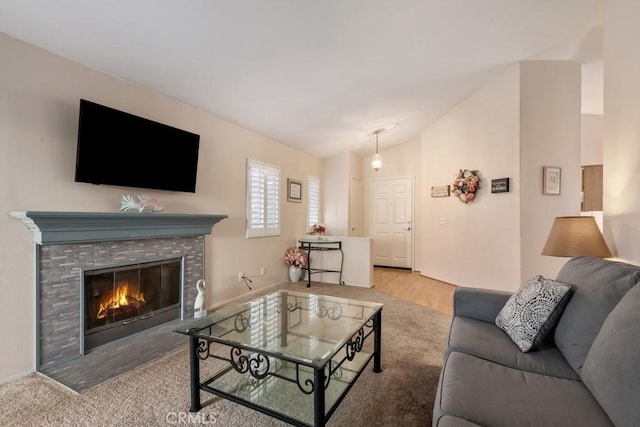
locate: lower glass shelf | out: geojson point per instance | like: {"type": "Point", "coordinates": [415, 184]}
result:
{"type": "Point", "coordinates": [288, 390]}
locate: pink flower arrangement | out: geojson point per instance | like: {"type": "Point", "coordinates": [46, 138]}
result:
{"type": "Point", "coordinates": [318, 228]}
{"type": "Point", "coordinates": [293, 256]}
{"type": "Point", "coordinates": [466, 184]}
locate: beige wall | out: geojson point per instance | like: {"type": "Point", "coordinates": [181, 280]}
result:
{"type": "Point", "coordinates": [338, 171]}
{"type": "Point", "coordinates": [591, 139]}
{"type": "Point", "coordinates": [549, 136]}
{"type": "Point", "coordinates": [336, 194]}
{"type": "Point", "coordinates": [592, 88]}
{"type": "Point", "coordinates": [39, 96]}
{"type": "Point", "coordinates": [479, 244]}
{"type": "Point", "coordinates": [622, 128]}
{"type": "Point", "coordinates": [527, 118]}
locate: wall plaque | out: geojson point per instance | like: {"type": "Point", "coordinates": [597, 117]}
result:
{"type": "Point", "coordinates": [441, 191]}
{"type": "Point", "coordinates": [500, 185]}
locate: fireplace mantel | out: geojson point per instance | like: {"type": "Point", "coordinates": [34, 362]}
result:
{"type": "Point", "coordinates": [51, 228]}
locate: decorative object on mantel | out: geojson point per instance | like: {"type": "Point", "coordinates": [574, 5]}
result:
{"type": "Point", "coordinates": [143, 203]}
{"type": "Point", "coordinates": [319, 230]}
{"type": "Point", "coordinates": [441, 191]}
{"type": "Point", "coordinates": [466, 184]}
{"type": "Point", "coordinates": [199, 309]}
{"type": "Point", "coordinates": [296, 260]}
{"type": "Point", "coordinates": [551, 176]}
{"type": "Point", "coordinates": [500, 185]}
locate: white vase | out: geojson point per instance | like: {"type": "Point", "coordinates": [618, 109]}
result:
{"type": "Point", "coordinates": [295, 273]}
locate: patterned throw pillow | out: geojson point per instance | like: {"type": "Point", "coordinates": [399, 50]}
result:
{"type": "Point", "coordinates": [532, 311]}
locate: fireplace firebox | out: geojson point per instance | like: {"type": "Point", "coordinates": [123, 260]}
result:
{"type": "Point", "coordinates": [127, 299]}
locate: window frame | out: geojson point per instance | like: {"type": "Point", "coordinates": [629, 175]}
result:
{"type": "Point", "coordinates": [311, 180]}
{"type": "Point", "coordinates": [268, 191]}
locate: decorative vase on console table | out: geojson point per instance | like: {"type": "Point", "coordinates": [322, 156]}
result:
{"type": "Point", "coordinates": [295, 273]}
{"type": "Point", "coordinates": [296, 260]}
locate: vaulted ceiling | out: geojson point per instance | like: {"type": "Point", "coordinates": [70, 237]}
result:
{"type": "Point", "coordinates": [317, 75]}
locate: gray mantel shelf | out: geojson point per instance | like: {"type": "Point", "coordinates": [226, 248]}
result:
{"type": "Point", "coordinates": [51, 228]}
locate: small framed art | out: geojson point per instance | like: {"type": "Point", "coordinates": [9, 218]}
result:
{"type": "Point", "coordinates": [294, 190]}
{"type": "Point", "coordinates": [551, 180]}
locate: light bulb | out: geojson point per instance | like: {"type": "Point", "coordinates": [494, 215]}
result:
{"type": "Point", "coordinates": [376, 162]}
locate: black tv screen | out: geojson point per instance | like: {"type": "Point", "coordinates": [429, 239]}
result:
{"type": "Point", "coordinates": [119, 148]}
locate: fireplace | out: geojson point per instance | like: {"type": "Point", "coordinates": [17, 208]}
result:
{"type": "Point", "coordinates": [123, 300]}
{"type": "Point", "coordinates": [70, 244]}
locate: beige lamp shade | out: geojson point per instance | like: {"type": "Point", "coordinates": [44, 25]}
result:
{"type": "Point", "coordinates": [576, 235]}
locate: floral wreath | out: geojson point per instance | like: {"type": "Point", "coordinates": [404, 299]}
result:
{"type": "Point", "coordinates": [466, 184]}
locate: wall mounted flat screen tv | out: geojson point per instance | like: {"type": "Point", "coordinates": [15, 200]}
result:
{"type": "Point", "coordinates": [118, 148]}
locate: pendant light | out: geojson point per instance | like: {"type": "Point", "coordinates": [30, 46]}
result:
{"type": "Point", "coordinates": [376, 160]}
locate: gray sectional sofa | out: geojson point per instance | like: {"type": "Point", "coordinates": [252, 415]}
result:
{"type": "Point", "coordinates": [585, 373]}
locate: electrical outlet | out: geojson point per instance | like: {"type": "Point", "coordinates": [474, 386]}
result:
{"type": "Point", "coordinates": [240, 276]}
{"type": "Point", "coordinates": [263, 271]}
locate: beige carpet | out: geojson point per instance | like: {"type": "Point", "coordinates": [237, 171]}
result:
{"type": "Point", "coordinates": [158, 393]}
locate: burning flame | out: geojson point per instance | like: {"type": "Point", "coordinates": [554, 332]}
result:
{"type": "Point", "coordinates": [120, 298]}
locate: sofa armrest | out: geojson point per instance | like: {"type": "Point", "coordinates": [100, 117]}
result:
{"type": "Point", "coordinates": [479, 304]}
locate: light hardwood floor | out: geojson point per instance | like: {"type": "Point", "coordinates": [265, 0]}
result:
{"type": "Point", "coordinates": [411, 286]}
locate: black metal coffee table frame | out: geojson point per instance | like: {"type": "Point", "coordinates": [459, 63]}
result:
{"type": "Point", "coordinates": [257, 364]}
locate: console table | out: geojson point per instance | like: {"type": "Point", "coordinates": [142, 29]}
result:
{"type": "Point", "coordinates": [323, 245]}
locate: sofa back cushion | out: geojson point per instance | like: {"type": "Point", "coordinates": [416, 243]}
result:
{"type": "Point", "coordinates": [598, 285]}
{"type": "Point", "coordinates": [611, 370]}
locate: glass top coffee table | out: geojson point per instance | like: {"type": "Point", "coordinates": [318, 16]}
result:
{"type": "Point", "coordinates": [291, 355]}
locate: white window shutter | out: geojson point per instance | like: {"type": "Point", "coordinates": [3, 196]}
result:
{"type": "Point", "coordinates": [313, 200]}
{"type": "Point", "coordinates": [263, 199]}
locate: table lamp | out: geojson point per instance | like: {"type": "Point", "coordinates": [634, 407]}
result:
{"type": "Point", "coordinates": [575, 235]}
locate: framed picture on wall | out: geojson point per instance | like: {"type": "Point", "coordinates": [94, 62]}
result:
{"type": "Point", "coordinates": [551, 180]}
{"type": "Point", "coordinates": [294, 190]}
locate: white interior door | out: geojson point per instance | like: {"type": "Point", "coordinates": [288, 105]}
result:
{"type": "Point", "coordinates": [355, 207]}
{"type": "Point", "coordinates": [391, 221]}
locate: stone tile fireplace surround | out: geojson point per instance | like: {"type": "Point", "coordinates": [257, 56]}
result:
{"type": "Point", "coordinates": [68, 243]}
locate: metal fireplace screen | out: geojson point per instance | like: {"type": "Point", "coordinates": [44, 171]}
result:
{"type": "Point", "coordinates": [127, 299]}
